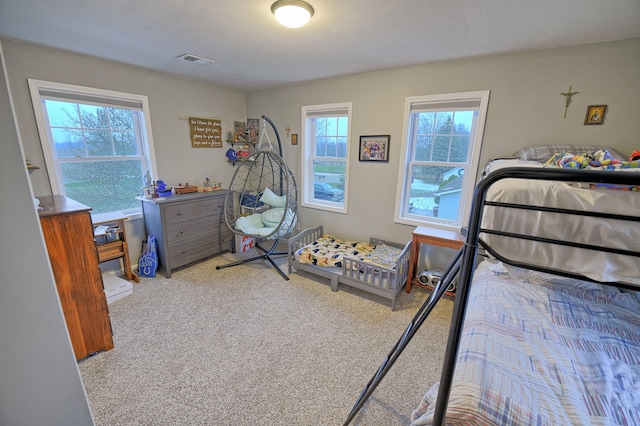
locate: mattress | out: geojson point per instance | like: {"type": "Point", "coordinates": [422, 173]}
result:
{"type": "Point", "coordinates": [331, 251]}
{"type": "Point", "coordinates": [604, 233]}
{"type": "Point", "coordinates": [545, 350]}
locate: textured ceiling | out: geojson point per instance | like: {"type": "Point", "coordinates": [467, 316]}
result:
{"type": "Point", "coordinates": [252, 51]}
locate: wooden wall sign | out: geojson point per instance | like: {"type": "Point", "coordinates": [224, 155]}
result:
{"type": "Point", "coordinates": [205, 133]}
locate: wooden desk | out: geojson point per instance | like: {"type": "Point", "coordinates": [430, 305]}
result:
{"type": "Point", "coordinates": [435, 237]}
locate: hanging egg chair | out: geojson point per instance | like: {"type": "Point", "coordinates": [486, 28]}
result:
{"type": "Point", "coordinates": [262, 199]}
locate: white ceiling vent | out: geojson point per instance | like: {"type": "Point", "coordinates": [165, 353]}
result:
{"type": "Point", "coordinates": [190, 57]}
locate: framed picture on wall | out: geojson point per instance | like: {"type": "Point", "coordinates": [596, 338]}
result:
{"type": "Point", "coordinates": [294, 139]}
{"type": "Point", "coordinates": [374, 148]}
{"type": "Point", "coordinates": [595, 114]}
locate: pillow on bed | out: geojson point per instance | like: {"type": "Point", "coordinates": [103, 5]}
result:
{"type": "Point", "coordinates": [268, 197]}
{"type": "Point", "coordinates": [501, 163]}
{"type": "Point", "coordinates": [544, 152]}
{"type": "Point", "coordinates": [384, 255]}
{"type": "Point", "coordinates": [523, 274]}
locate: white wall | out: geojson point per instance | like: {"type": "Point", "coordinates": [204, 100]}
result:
{"type": "Point", "coordinates": [39, 378]}
{"type": "Point", "coordinates": [525, 108]}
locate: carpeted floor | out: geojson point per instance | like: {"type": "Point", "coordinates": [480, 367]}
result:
{"type": "Point", "coordinates": [242, 346]}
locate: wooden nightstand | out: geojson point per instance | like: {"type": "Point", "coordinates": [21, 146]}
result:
{"type": "Point", "coordinates": [436, 237]}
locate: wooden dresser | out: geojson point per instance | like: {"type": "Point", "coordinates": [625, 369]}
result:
{"type": "Point", "coordinates": [68, 233]}
{"type": "Point", "coordinates": [187, 227]}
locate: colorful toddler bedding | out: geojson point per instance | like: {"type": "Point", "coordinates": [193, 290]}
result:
{"type": "Point", "coordinates": [541, 349]}
{"type": "Point", "coordinates": [330, 251]}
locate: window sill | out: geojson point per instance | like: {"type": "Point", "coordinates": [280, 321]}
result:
{"type": "Point", "coordinates": [430, 224]}
{"type": "Point", "coordinates": [106, 217]}
{"type": "Point", "coordinates": [326, 207]}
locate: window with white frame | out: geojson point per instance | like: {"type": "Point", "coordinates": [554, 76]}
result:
{"type": "Point", "coordinates": [97, 145]}
{"type": "Point", "coordinates": [441, 143]}
{"type": "Point", "coordinates": [325, 159]}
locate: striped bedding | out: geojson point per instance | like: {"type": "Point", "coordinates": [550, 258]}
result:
{"type": "Point", "coordinates": [538, 349]}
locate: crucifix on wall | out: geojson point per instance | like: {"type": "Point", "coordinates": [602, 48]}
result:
{"type": "Point", "coordinates": [568, 95]}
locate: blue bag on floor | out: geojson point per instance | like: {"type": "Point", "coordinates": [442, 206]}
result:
{"type": "Point", "coordinates": [148, 261]}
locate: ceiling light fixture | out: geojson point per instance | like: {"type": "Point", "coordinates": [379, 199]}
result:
{"type": "Point", "coordinates": [292, 13]}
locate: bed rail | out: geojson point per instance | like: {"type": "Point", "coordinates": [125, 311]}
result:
{"type": "Point", "coordinates": [379, 276]}
{"type": "Point", "coordinates": [300, 240]}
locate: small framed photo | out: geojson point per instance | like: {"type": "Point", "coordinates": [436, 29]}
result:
{"type": "Point", "coordinates": [374, 148]}
{"type": "Point", "coordinates": [294, 139]}
{"type": "Point", "coordinates": [595, 114]}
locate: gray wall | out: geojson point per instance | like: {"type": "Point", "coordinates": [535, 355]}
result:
{"type": "Point", "coordinates": [170, 98]}
{"type": "Point", "coordinates": [524, 108]}
{"type": "Point", "coordinates": [39, 378]}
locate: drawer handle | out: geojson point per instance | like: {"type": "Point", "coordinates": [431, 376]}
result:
{"type": "Point", "coordinates": [183, 251]}
{"type": "Point", "coordinates": [182, 231]}
{"type": "Point", "coordinates": [179, 213]}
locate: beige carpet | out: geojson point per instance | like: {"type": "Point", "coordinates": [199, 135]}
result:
{"type": "Point", "coordinates": [242, 346]}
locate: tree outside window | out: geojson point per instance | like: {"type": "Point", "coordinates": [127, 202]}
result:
{"type": "Point", "coordinates": [97, 144]}
{"type": "Point", "coordinates": [441, 144]}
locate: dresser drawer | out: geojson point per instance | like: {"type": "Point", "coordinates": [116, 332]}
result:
{"type": "Point", "coordinates": [192, 228]}
{"type": "Point", "coordinates": [187, 211]}
{"type": "Point", "coordinates": [189, 250]}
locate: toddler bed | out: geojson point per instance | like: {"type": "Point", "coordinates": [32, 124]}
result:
{"type": "Point", "coordinates": [379, 267]}
{"type": "Point", "coordinates": [546, 331]}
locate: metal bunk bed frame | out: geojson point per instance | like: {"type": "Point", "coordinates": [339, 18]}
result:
{"type": "Point", "coordinates": [464, 264]}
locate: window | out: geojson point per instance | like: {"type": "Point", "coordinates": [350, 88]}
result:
{"type": "Point", "coordinates": [325, 159]}
{"type": "Point", "coordinates": [441, 142]}
{"type": "Point", "coordinates": [97, 145]}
